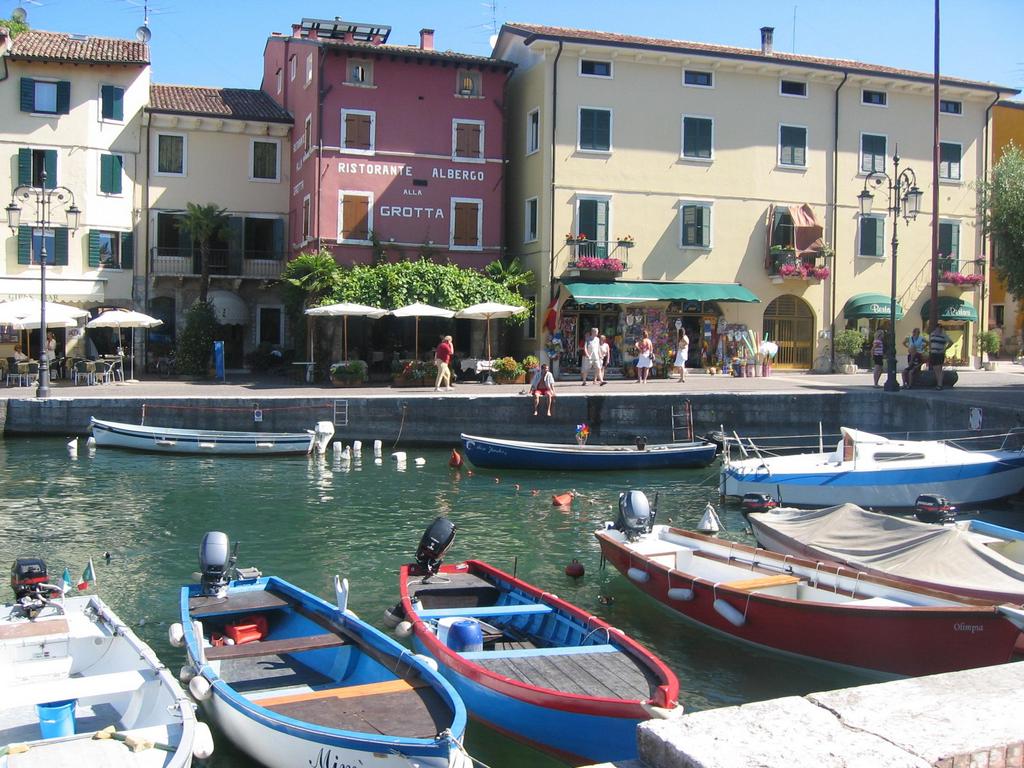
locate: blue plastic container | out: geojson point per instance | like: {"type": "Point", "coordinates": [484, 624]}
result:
{"type": "Point", "coordinates": [57, 718]}
{"type": "Point", "coordinates": [466, 635]}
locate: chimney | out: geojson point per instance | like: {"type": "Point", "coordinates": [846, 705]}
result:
{"type": "Point", "coordinates": [766, 40]}
{"type": "Point", "coordinates": [296, 30]}
{"type": "Point", "coordinates": [426, 39]}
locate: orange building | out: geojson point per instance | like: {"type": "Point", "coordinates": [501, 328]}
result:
{"type": "Point", "coordinates": [1005, 311]}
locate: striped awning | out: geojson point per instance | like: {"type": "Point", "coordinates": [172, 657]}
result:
{"type": "Point", "coordinates": [632, 292]}
{"type": "Point", "coordinates": [870, 305]}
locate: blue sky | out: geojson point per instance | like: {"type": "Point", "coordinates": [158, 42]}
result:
{"type": "Point", "coordinates": [220, 42]}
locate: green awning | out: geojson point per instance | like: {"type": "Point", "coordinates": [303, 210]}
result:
{"type": "Point", "coordinates": [622, 292]}
{"type": "Point", "coordinates": [952, 308]}
{"type": "Point", "coordinates": [870, 305]}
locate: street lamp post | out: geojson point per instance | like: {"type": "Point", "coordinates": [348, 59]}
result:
{"type": "Point", "coordinates": [904, 198]}
{"type": "Point", "coordinates": [44, 200]}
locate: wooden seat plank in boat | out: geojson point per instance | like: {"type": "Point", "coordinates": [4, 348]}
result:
{"type": "Point", "coordinates": [457, 590]}
{"type": "Point", "coordinates": [266, 673]}
{"type": "Point", "coordinates": [91, 686]}
{"type": "Point", "coordinates": [486, 611]}
{"type": "Point", "coordinates": [239, 602]}
{"type": "Point", "coordinates": [762, 582]}
{"type": "Point", "coordinates": [34, 629]}
{"type": "Point", "coordinates": [273, 647]}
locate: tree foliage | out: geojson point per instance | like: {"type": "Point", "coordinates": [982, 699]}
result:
{"type": "Point", "coordinates": [205, 223]}
{"type": "Point", "coordinates": [195, 343]}
{"type": "Point", "coordinates": [309, 278]}
{"type": "Point", "coordinates": [16, 27]}
{"type": "Point", "coordinates": [1003, 203]}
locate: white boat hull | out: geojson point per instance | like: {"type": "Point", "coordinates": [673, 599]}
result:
{"type": "Point", "coordinates": [112, 434]}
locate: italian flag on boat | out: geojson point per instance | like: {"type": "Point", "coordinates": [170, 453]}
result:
{"type": "Point", "coordinates": [88, 576]}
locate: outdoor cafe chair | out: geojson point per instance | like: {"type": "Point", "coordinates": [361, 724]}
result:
{"type": "Point", "coordinates": [105, 371]}
{"type": "Point", "coordinates": [82, 373]}
{"type": "Point", "coordinates": [29, 374]}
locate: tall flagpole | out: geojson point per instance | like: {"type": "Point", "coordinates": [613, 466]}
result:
{"type": "Point", "coordinates": [933, 305]}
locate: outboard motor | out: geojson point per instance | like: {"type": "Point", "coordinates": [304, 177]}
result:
{"type": "Point", "coordinates": [436, 541]}
{"type": "Point", "coordinates": [31, 590]}
{"type": "Point", "coordinates": [636, 515]}
{"type": "Point", "coordinates": [716, 437]}
{"type": "Point", "coordinates": [641, 442]}
{"type": "Point", "coordinates": [215, 563]}
{"type": "Point", "coordinates": [932, 508]}
{"type": "Point", "coordinates": [757, 502]}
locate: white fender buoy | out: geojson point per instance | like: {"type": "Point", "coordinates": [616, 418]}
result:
{"type": "Point", "coordinates": [398, 455]}
{"type": "Point", "coordinates": [709, 522]}
{"type": "Point", "coordinates": [403, 629]}
{"type": "Point", "coordinates": [91, 442]}
{"type": "Point", "coordinates": [377, 448]}
{"type": "Point", "coordinates": [729, 613]}
{"type": "Point", "coordinates": [73, 447]}
{"type": "Point", "coordinates": [357, 448]}
{"type": "Point", "coordinates": [185, 674]}
{"type": "Point", "coordinates": [378, 461]}
{"type": "Point", "coordinates": [427, 660]}
{"type": "Point", "coordinates": [200, 688]}
{"type": "Point", "coordinates": [419, 461]}
{"type": "Point", "coordinates": [202, 742]}
{"type": "Point", "coordinates": [639, 575]}
{"type": "Point", "coordinates": [680, 593]}
{"type": "Point", "coordinates": [176, 634]}
{"type": "Point", "coordinates": [341, 593]}
{"type": "Point", "coordinates": [337, 446]}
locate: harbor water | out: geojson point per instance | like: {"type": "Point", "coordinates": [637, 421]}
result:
{"type": "Point", "coordinates": [306, 519]}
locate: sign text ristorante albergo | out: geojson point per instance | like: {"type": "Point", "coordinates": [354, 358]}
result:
{"type": "Point", "coordinates": [401, 169]}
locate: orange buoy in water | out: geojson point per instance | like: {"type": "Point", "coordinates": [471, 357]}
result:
{"type": "Point", "coordinates": [456, 459]}
{"type": "Point", "coordinates": [562, 499]}
{"type": "Point", "coordinates": [574, 569]}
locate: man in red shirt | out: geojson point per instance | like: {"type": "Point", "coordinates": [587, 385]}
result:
{"type": "Point", "coordinates": [443, 356]}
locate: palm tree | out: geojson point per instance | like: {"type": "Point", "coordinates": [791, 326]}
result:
{"type": "Point", "coordinates": [205, 223]}
{"type": "Point", "coordinates": [308, 279]}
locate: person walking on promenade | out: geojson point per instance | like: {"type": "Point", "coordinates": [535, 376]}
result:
{"type": "Point", "coordinates": [645, 358]}
{"type": "Point", "coordinates": [682, 353]}
{"type": "Point", "coordinates": [443, 356]}
{"type": "Point", "coordinates": [938, 343]}
{"type": "Point", "coordinates": [606, 358]}
{"type": "Point", "coordinates": [878, 354]}
{"type": "Point", "coordinates": [591, 357]}
{"type": "Point", "coordinates": [543, 384]}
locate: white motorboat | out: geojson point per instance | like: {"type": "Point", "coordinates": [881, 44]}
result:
{"type": "Point", "coordinates": [81, 689]}
{"type": "Point", "coordinates": [141, 437]}
{"type": "Point", "coordinates": [874, 471]}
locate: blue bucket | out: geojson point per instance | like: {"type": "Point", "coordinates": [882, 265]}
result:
{"type": "Point", "coordinates": [465, 636]}
{"type": "Point", "coordinates": [57, 718]}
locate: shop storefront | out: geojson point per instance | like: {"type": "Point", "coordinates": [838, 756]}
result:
{"type": "Point", "coordinates": [955, 315]}
{"type": "Point", "coordinates": [870, 312]}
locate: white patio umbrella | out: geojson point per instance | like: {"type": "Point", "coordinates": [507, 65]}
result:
{"type": "Point", "coordinates": [420, 310]}
{"type": "Point", "coordinates": [24, 314]}
{"type": "Point", "coordinates": [346, 310]}
{"type": "Point", "coordinates": [487, 311]}
{"type": "Point", "coordinates": [124, 318]}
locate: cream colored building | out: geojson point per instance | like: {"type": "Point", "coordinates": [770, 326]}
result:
{"type": "Point", "coordinates": [650, 178]}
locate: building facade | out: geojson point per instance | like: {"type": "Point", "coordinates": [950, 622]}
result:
{"type": "Point", "coordinates": [673, 186]}
{"type": "Point", "coordinates": [1006, 316]}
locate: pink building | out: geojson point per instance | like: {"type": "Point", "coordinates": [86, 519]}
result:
{"type": "Point", "coordinates": [401, 145]}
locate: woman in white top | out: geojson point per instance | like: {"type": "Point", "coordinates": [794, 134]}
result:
{"type": "Point", "coordinates": [682, 352]}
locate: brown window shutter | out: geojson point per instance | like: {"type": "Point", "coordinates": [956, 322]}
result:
{"type": "Point", "coordinates": [467, 140]}
{"type": "Point", "coordinates": [465, 224]}
{"type": "Point", "coordinates": [355, 218]}
{"type": "Point", "coordinates": [357, 131]}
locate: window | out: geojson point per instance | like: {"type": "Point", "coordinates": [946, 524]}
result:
{"type": "Point", "coordinates": [873, 98]}
{"type": "Point", "coordinates": [793, 146]}
{"type": "Point", "coordinates": [360, 72]}
{"type": "Point", "coordinates": [466, 223]}
{"type": "Point", "coordinates": [793, 88]}
{"type": "Point", "coordinates": [358, 130]}
{"type": "Point", "coordinates": [171, 237]}
{"type": "Point", "coordinates": [468, 83]}
{"type": "Point", "coordinates": [949, 161]}
{"type": "Point", "coordinates": [309, 68]}
{"type": "Point", "coordinates": [530, 221]}
{"type": "Point", "coordinates": [307, 134]}
{"type": "Point", "coordinates": [112, 102]}
{"type": "Point", "coordinates": [872, 153]}
{"type": "Point", "coordinates": [999, 315]}
{"type": "Point", "coordinates": [170, 154]}
{"type": "Point", "coordinates": [532, 131]}
{"type": "Point", "coordinates": [697, 78]}
{"type": "Point", "coordinates": [263, 238]}
{"type": "Point", "coordinates": [949, 246]}
{"type": "Point", "coordinates": [468, 140]}
{"type": "Point", "coordinates": [111, 250]}
{"type": "Point", "coordinates": [263, 160]}
{"type": "Point", "coordinates": [32, 163]}
{"type": "Point", "coordinates": [591, 68]}
{"type": "Point", "coordinates": [279, 76]}
{"type": "Point", "coordinates": [269, 325]}
{"type": "Point", "coordinates": [593, 224]}
{"type": "Point", "coordinates": [783, 227]}
{"type": "Point", "coordinates": [111, 173]}
{"type": "Point", "coordinates": [291, 67]}
{"type": "Point", "coordinates": [871, 240]}
{"type": "Point", "coordinates": [697, 137]}
{"type": "Point", "coordinates": [355, 216]}
{"type": "Point", "coordinates": [46, 97]}
{"type": "Point", "coordinates": [949, 107]}
{"type": "Point", "coordinates": [31, 242]}
{"type": "Point", "coordinates": [305, 218]}
{"type": "Point", "coordinates": [595, 129]}
{"type": "Point", "coordinates": [695, 225]}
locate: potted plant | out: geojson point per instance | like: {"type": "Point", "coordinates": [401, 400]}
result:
{"type": "Point", "coordinates": [350, 373]}
{"type": "Point", "coordinates": [848, 344]}
{"type": "Point", "coordinates": [530, 364]}
{"type": "Point", "coordinates": [415, 373]}
{"type": "Point", "coordinates": [989, 342]}
{"type": "Point", "coordinates": [626, 241]}
{"type": "Point", "coordinates": [507, 370]}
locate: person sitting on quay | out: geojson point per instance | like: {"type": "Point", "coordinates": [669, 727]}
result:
{"type": "Point", "coordinates": [543, 383]}
{"type": "Point", "coordinates": [912, 370]}
{"type": "Point", "coordinates": [19, 356]}
{"type": "Point", "coordinates": [915, 342]}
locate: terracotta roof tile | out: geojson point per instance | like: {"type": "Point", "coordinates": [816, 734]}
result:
{"type": "Point", "coordinates": [36, 45]}
{"type": "Point", "coordinates": [414, 51]}
{"type": "Point", "coordinates": [233, 103]}
{"type": "Point", "coordinates": [635, 41]}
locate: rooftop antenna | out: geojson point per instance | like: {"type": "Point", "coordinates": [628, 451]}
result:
{"type": "Point", "coordinates": [143, 33]}
{"type": "Point", "coordinates": [794, 29]}
{"type": "Point", "coordinates": [492, 6]}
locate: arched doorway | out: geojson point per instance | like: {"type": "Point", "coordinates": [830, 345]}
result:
{"type": "Point", "coordinates": [789, 322]}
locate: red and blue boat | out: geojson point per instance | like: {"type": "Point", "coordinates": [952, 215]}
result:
{"type": "Point", "coordinates": [529, 664]}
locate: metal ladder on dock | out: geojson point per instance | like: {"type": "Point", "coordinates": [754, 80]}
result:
{"type": "Point", "coordinates": [682, 422]}
{"type": "Point", "coordinates": [341, 413]}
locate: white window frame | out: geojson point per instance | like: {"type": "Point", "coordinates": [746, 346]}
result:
{"type": "Point", "coordinates": [279, 77]}
{"type": "Point", "coordinates": [99, 176]}
{"type": "Point", "coordinates": [307, 135]}
{"type": "Point", "coordinates": [697, 85]}
{"type": "Point", "coordinates": [369, 215]}
{"type": "Point", "coordinates": [291, 67]}
{"type": "Point", "coordinates": [611, 69]}
{"type": "Point", "coordinates": [479, 224]}
{"type": "Point", "coordinates": [533, 121]}
{"type": "Point", "coordinates": [682, 140]}
{"type": "Point", "coordinates": [611, 130]}
{"type": "Point", "coordinates": [951, 179]}
{"type": "Point", "coordinates": [528, 236]}
{"type": "Point", "coordinates": [878, 217]}
{"type": "Point", "coordinates": [277, 159]}
{"type": "Point", "coordinates": [576, 213]}
{"type": "Point", "coordinates": [309, 68]}
{"type": "Point", "coordinates": [874, 90]}
{"type": "Point", "coordinates": [103, 119]}
{"type": "Point", "coordinates": [951, 114]}
{"type": "Point", "coordinates": [306, 224]}
{"type": "Point", "coordinates": [373, 132]}
{"type": "Point", "coordinates": [120, 257]}
{"type": "Point", "coordinates": [476, 92]}
{"type": "Point", "coordinates": [778, 150]}
{"type": "Point", "coordinates": [804, 83]}
{"type": "Point", "coordinates": [466, 121]}
{"type": "Point", "coordinates": [184, 154]}
{"type": "Point", "coordinates": [710, 205]}
{"type": "Point", "coordinates": [280, 321]}
{"type": "Point", "coordinates": [860, 154]}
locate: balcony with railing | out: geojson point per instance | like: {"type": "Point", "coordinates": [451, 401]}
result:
{"type": "Point", "coordinates": [597, 258]}
{"type": "Point", "coordinates": [959, 273]}
{"type": "Point", "coordinates": [809, 265]}
{"type": "Point", "coordinates": [183, 262]}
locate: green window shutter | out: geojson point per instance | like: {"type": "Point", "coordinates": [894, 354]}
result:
{"type": "Point", "coordinates": [105, 173]}
{"type": "Point", "coordinates": [945, 239]}
{"type": "Point", "coordinates": [879, 235]}
{"type": "Point", "coordinates": [60, 246]}
{"type": "Point", "coordinates": [118, 105]}
{"type": "Point", "coordinates": [705, 225]}
{"type": "Point", "coordinates": [63, 97]}
{"type": "Point", "coordinates": [868, 236]}
{"type": "Point", "coordinates": [94, 248]}
{"type": "Point", "coordinates": [24, 165]}
{"type": "Point", "coordinates": [28, 94]}
{"type": "Point", "coordinates": [50, 165]}
{"type": "Point", "coordinates": [278, 239]}
{"type": "Point", "coordinates": [127, 250]}
{"type": "Point", "coordinates": [24, 245]}
{"type": "Point", "coordinates": [586, 129]}
{"type": "Point", "coordinates": [110, 174]}
{"type": "Point", "coordinates": [604, 130]}
{"type": "Point", "coordinates": [185, 244]}
{"type": "Point", "coordinates": [107, 102]}
{"type": "Point", "coordinates": [587, 219]}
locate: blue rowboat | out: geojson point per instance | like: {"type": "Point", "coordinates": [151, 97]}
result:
{"type": "Point", "coordinates": [495, 453]}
